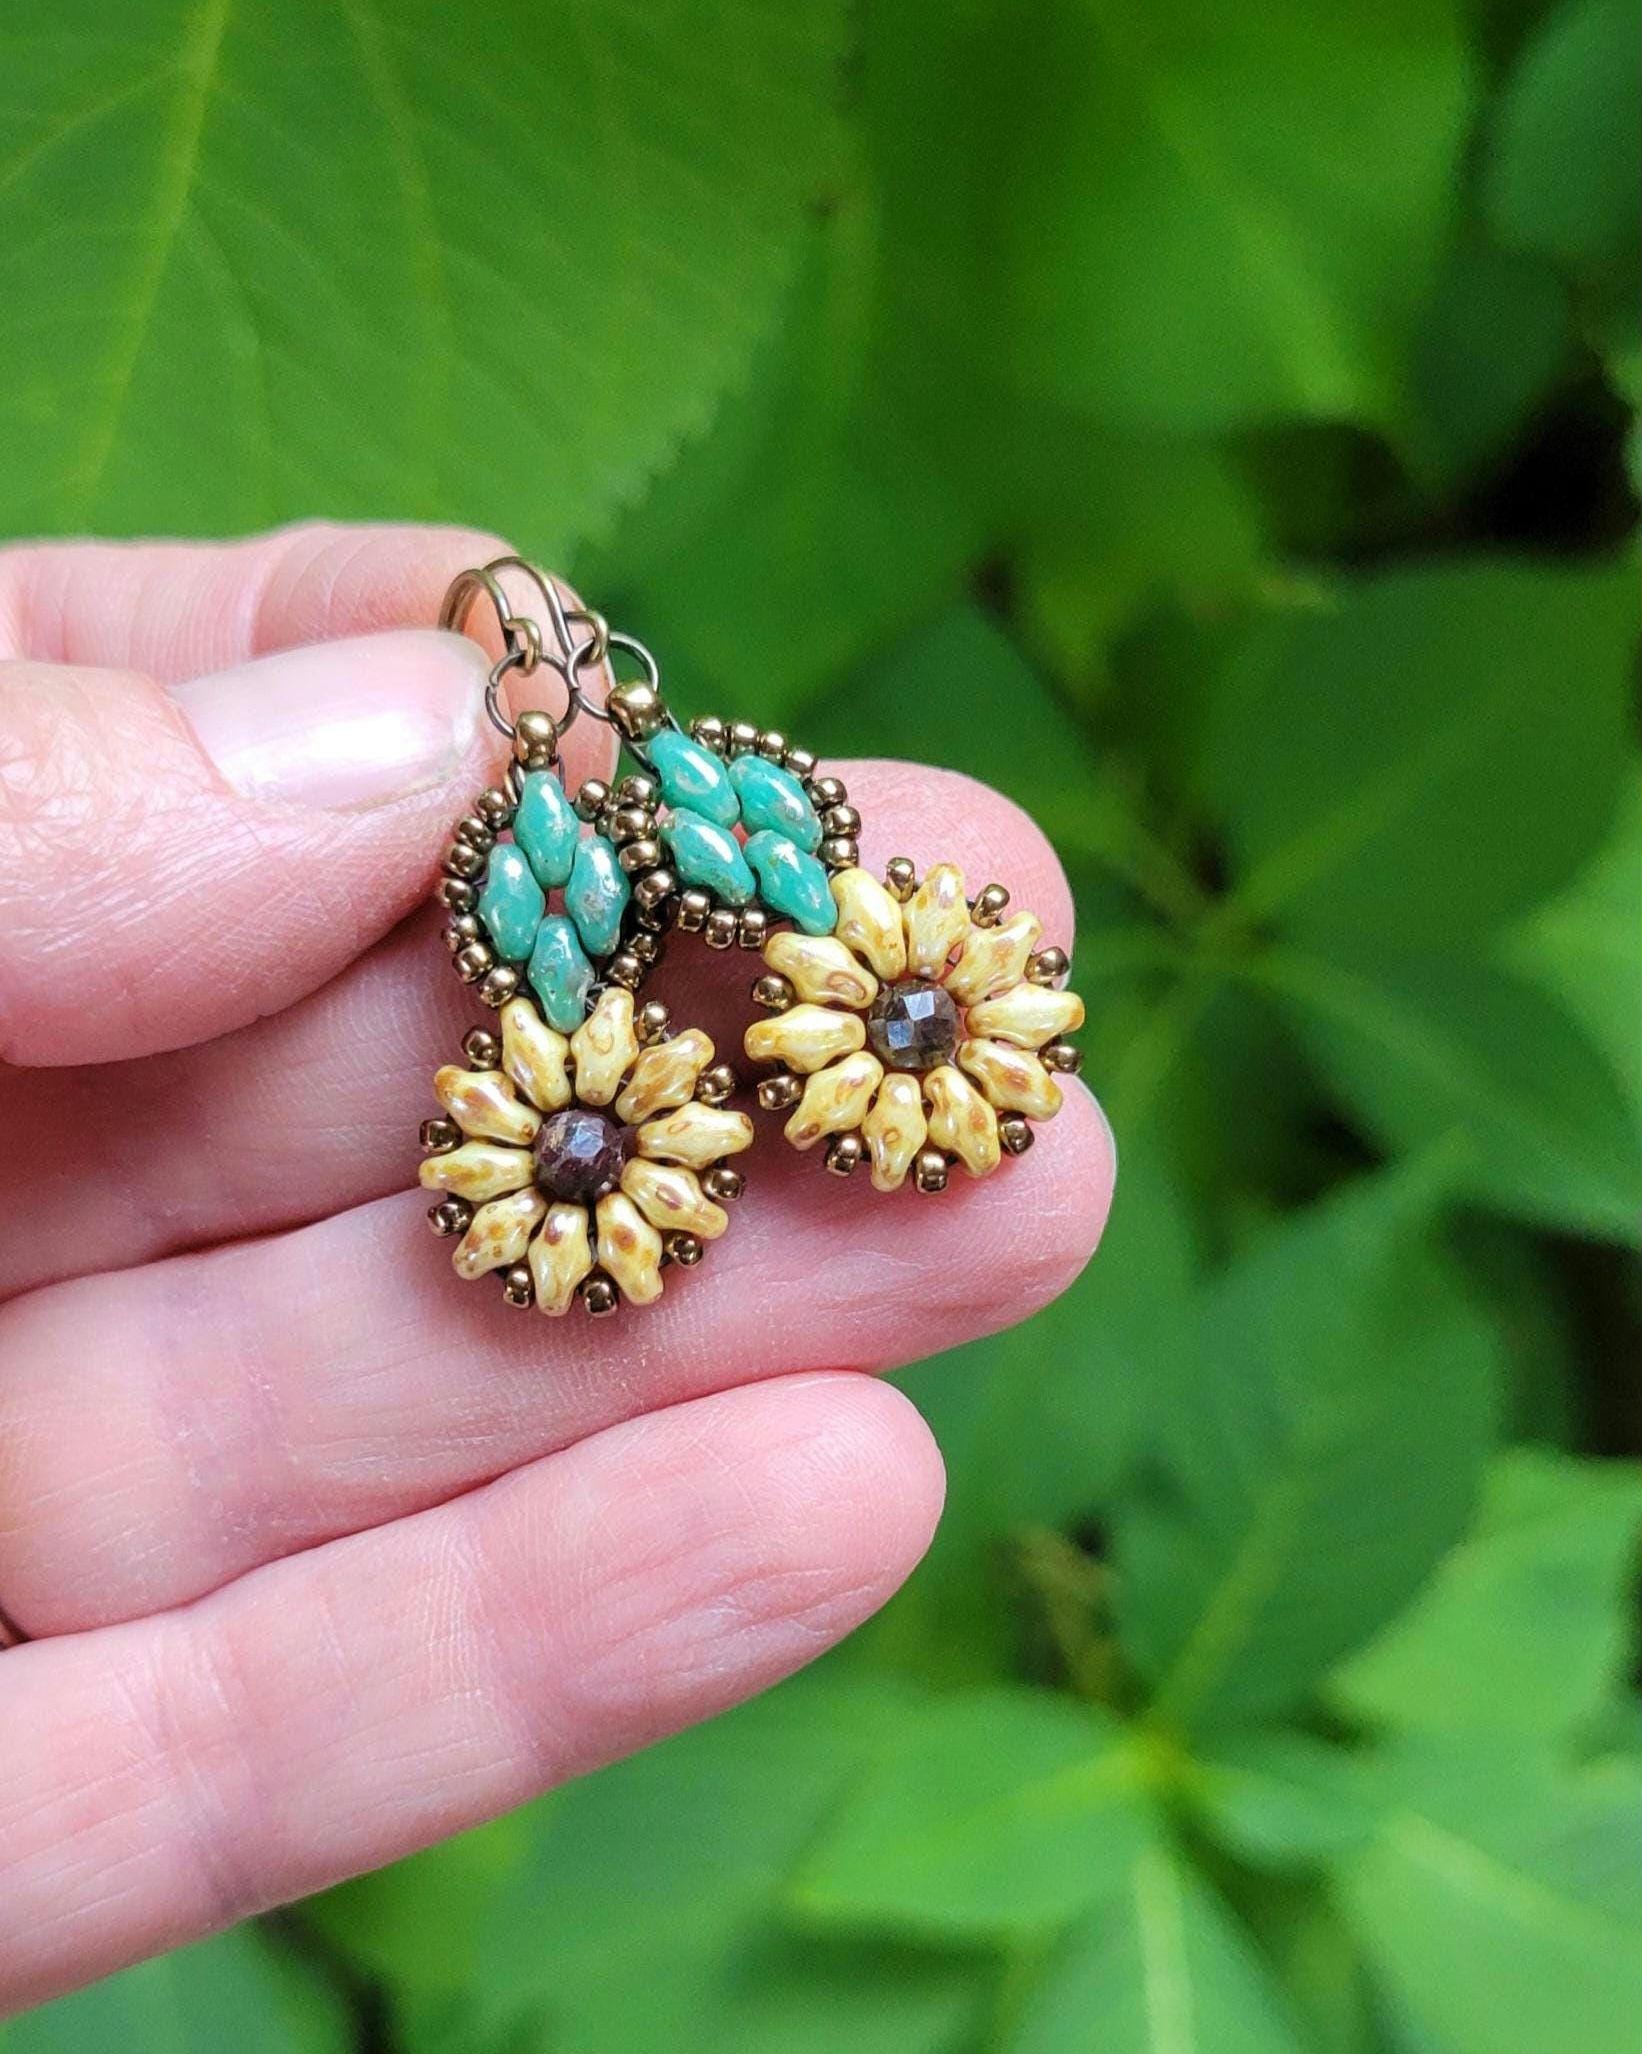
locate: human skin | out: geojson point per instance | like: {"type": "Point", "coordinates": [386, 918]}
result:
{"type": "Point", "coordinates": [322, 1554]}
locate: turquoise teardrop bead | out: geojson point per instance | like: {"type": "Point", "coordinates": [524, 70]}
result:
{"type": "Point", "coordinates": [772, 797]}
{"type": "Point", "coordinates": [512, 903]}
{"type": "Point", "coordinates": [597, 894]}
{"type": "Point", "coordinates": [709, 855]}
{"type": "Point", "coordinates": [546, 828]}
{"type": "Point", "coordinates": [560, 974]}
{"type": "Point", "coordinates": [693, 779]}
{"type": "Point", "coordinates": [793, 883]}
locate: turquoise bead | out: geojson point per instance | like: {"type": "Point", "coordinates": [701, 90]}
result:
{"type": "Point", "coordinates": [709, 855]}
{"type": "Point", "coordinates": [546, 828]}
{"type": "Point", "coordinates": [597, 894]}
{"type": "Point", "coordinates": [693, 779]}
{"type": "Point", "coordinates": [560, 974]}
{"type": "Point", "coordinates": [512, 903]}
{"type": "Point", "coordinates": [792, 882]}
{"type": "Point", "coordinates": [772, 797]}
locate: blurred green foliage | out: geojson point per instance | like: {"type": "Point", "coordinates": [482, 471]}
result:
{"type": "Point", "coordinates": [1213, 426]}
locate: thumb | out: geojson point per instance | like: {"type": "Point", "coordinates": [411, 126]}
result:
{"type": "Point", "coordinates": [175, 863]}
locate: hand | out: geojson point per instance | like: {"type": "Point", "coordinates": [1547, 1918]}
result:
{"type": "Point", "coordinates": [322, 1553]}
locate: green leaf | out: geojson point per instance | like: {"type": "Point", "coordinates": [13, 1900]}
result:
{"type": "Point", "coordinates": [1162, 1969]}
{"type": "Point", "coordinates": [1566, 157]}
{"type": "Point", "coordinates": [266, 259]}
{"type": "Point", "coordinates": [1036, 1427]}
{"type": "Point", "coordinates": [1436, 1047]}
{"type": "Point", "coordinates": [1418, 726]}
{"type": "Point", "coordinates": [996, 1812]}
{"type": "Point", "coordinates": [240, 1990]}
{"type": "Point", "coordinates": [1499, 1903]}
{"type": "Point", "coordinates": [646, 1911]}
{"type": "Point", "coordinates": [1192, 242]}
{"type": "Point", "coordinates": [1585, 949]}
{"type": "Point", "coordinates": [1529, 1627]}
{"type": "Point", "coordinates": [1284, 1802]}
{"type": "Point", "coordinates": [1318, 1448]}
{"type": "Point", "coordinates": [814, 523]}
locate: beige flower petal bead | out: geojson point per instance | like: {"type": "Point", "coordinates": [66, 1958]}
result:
{"type": "Point", "coordinates": [961, 1121]}
{"type": "Point", "coordinates": [869, 921]}
{"type": "Point", "coordinates": [484, 1105]}
{"type": "Point", "coordinates": [672, 1199]}
{"type": "Point", "coordinates": [993, 958]}
{"type": "Point", "coordinates": [476, 1170]}
{"type": "Point", "coordinates": [695, 1135]}
{"type": "Point", "coordinates": [533, 1055]}
{"type": "Point", "coordinates": [835, 1100]}
{"type": "Point", "coordinates": [629, 1248]}
{"type": "Point", "coordinates": [560, 1256]}
{"type": "Point", "coordinates": [820, 968]}
{"type": "Point", "coordinates": [1012, 1078]}
{"type": "Point", "coordinates": [937, 919]}
{"type": "Point", "coordinates": [664, 1076]}
{"type": "Point", "coordinates": [805, 1038]}
{"type": "Point", "coordinates": [500, 1233]}
{"type": "Point", "coordinates": [604, 1047]}
{"type": "Point", "coordinates": [1027, 1016]}
{"type": "Point", "coordinates": [895, 1129]}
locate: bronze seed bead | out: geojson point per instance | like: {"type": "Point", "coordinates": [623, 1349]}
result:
{"type": "Point", "coordinates": [841, 820]}
{"type": "Point", "coordinates": [599, 1295]}
{"type": "Point", "coordinates": [720, 929]}
{"type": "Point", "coordinates": [772, 743]}
{"type": "Point", "coordinates": [710, 732]}
{"type": "Point", "coordinates": [494, 807]}
{"type": "Point", "coordinates": [780, 1093]}
{"type": "Point", "coordinates": [694, 906]}
{"type": "Point", "coordinates": [752, 927]}
{"type": "Point", "coordinates": [638, 788]}
{"type": "Point", "coordinates": [592, 799]}
{"type": "Point", "coordinates": [828, 791]}
{"type": "Point", "coordinates": [463, 860]}
{"type": "Point", "coordinates": [845, 1154]}
{"type": "Point", "coordinates": [473, 961]}
{"type": "Point", "coordinates": [685, 1249]}
{"type": "Point", "coordinates": [534, 733]}
{"type": "Point", "coordinates": [774, 993]}
{"type": "Point", "coordinates": [724, 1184]}
{"type": "Point", "coordinates": [651, 891]}
{"type": "Point", "coordinates": [987, 910]}
{"type": "Point", "coordinates": [439, 1136]}
{"type": "Point", "coordinates": [626, 969]}
{"type": "Point", "coordinates": [647, 947]}
{"type": "Point", "coordinates": [930, 1171]}
{"type": "Point", "coordinates": [457, 894]}
{"type": "Point", "coordinates": [651, 1024]}
{"type": "Point", "coordinates": [901, 876]}
{"type": "Point", "coordinates": [801, 762]}
{"type": "Point", "coordinates": [1063, 1056]}
{"type": "Point", "coordinates": [643, 854]}
{"type": "Point", "coordinates": [1048, 966]}
{"type": "Point", "coordinates": [497, 986]}
{"type": "Point", "coordinates": [630, 823]}
{"type": "Point", "coordinates": [743, 737]}
{"type": "Point", "coordinates": [450, 1216]}
{"type": "Point", "coordinates": [1015, 1135]}
{"type": "Point", "coordinates": [463, 929]}
{"type": "Point", "coordinates": [482, 1049]}
{"type": "Point", "coordinates": [714, 1086]}
{"type": "Point", "coordinates": [517, 1286]}
{"type": "Point", "coordinates": [636, 709]}
{"type": "Point", "coordinates": [476, 833]}
{"type": "Point", "coordinates": [841, 852]}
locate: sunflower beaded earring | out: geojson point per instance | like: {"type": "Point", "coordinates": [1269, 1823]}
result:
{"type": "Point", "coordinates": [586, 1146]}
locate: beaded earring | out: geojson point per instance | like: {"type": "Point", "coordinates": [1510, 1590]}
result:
{"type": "Point", "coordinates": [583, 1146]}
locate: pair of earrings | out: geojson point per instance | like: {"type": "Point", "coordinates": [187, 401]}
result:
{"type": "Point", "coordinates": [584, 1145]}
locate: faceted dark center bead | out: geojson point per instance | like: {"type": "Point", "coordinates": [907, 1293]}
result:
{"type": "Point", "coordinates": [913, 1025]}
{"type": "Point", "coordinates": [580, 1153]}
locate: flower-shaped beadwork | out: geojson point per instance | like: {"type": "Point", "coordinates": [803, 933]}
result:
{"type": "Point", "coordinates": [922, 1031]}
{"type": "Point", "coordinates": [582, 1165]}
